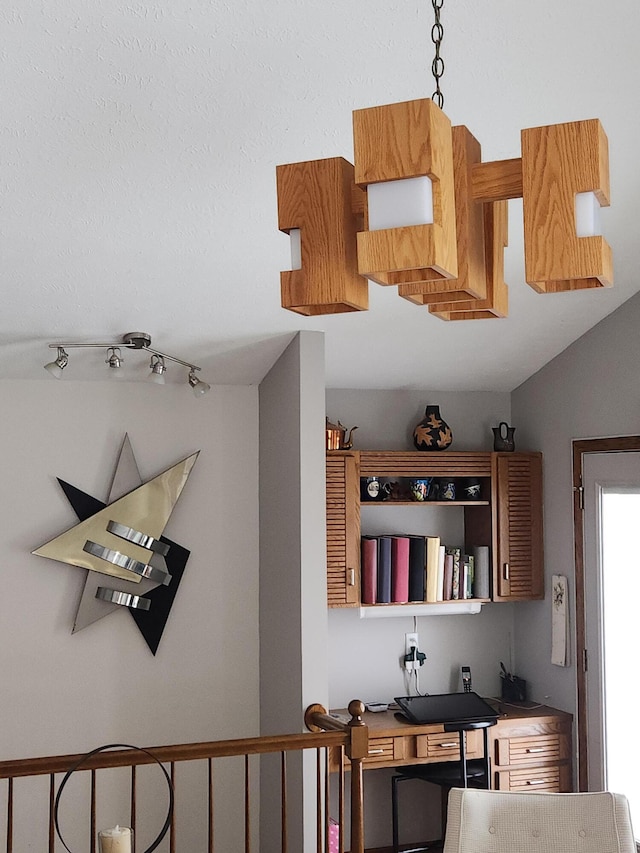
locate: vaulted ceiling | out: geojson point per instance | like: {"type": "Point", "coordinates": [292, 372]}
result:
{"type": "Point", "coordinates": [139, 140]}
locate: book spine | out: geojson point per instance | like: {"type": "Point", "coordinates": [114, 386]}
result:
{"type": "Point", "coordinates": [455, 574]}
{"type": "Point", "coordinates": [383, 595]}
{"type": "Point", "coordinates": [400, 569]}
{"type": "Point", "coordinates": [447, 592]}
{"type": "Point", "coordinates": [466, 583]}
{"type": "Point", "coordinates": [433, 550]}
{"type": "Point", "coordinates": [369, 562]}
{"type": "Point", "coordinates": [440, 590]}
{"type": "Point", "coordinates": [417, 568]}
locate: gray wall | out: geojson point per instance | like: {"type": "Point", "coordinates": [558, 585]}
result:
{"type": "Point", "coordinates": [293, 617]}
{"type": "Point", "coordinates": [590, 390]}
{"type": "Point", "coordinates": [64, 693]}
{"type": "Point", "coordinates": [293, 613]}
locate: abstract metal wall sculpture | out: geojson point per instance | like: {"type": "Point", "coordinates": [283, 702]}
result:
{"type": "Point", "coordinates": [128, 562]}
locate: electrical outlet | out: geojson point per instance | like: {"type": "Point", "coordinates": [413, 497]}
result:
{"type": "Point", "coordinates": [410, 660]}
{"type": "Point", "coordinates": [410, 642]}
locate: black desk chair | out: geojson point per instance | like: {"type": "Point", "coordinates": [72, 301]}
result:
{"type": "Point", "coordinates": [474, 773]}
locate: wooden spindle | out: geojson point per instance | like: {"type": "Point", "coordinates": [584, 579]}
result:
{"type": "Point", "coordinates": [10, 816]}
{"type": "Point", "coordinates": [210, 786]}
{"type": "Point", "coordinates": [319, 801]}
{"type": "Point", "coordinates": [341, 801]}
{"type": "Point", "coordinates": [172, 828]}
{"type": "Point", "coordinates": [52, 798]}
{"type": "Point", "coordinates": [247, 807]}
{"type": "Point", "coordinates": [283, 799]}
{"type": "Point", "coordinates": [132, 805]}
{"type": "Point", "coordinates": [327, 799]}
{"type": "Point", "coordinates": [92, 817]}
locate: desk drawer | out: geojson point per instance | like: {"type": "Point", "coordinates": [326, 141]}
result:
{"type": "Point", "coordinates": [536, 749]}
{"type": "Point", "coordinates": [553, 777]}
{"type": "Point", "coordinates": [383, 752]}
{"type": "Point", "coordinates": [380, 749]}
{"type": "Point", "coordinates": [444, 746]}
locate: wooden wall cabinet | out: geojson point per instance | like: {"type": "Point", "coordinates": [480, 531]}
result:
{"type": "Point", "coordinates": [343, 530]}
{"type": "Point", "coordinates": [508, 518]}
{"type": "Point", "coordinates": [533, 754]}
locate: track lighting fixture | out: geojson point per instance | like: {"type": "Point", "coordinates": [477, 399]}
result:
{"type": "Point", "coordinates": [133, 341]}
{"type": "Point", "coordinates": [114, 357]}
{"type": "Point", "coordinates": [199, 387]}
{"type": "Point", "coordinates": [56, 367]}
{"type": "Point", "coordinates": [158, 369]}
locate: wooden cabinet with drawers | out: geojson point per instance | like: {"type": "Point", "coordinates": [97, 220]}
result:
{"type": "Point", "coordinates": [533, 752]}
{"type": "Point", "coordinates": [507, 517]}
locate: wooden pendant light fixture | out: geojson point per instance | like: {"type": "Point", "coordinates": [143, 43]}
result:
{"type": "Point", "coordinates": [421, 211]}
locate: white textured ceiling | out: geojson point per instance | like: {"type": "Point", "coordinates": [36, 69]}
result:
{"type": "Point", "coordinates": [138, 146]}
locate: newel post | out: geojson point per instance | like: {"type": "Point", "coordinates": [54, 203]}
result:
{"type": "Point", "coordinates": [357, 750]}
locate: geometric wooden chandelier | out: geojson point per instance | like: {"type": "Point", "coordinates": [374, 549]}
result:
{"type": "Point", "coordinates": [421, 211]}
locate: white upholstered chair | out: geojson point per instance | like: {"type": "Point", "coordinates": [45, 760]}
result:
{"type": "Point", "coordinates": [499, 822]}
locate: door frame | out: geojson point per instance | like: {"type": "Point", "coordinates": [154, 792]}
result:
{"type": "Point", "coordinates": [580, 447]}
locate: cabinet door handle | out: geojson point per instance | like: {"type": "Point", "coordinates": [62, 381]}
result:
{"type": "Point", "coordinates": [376, 752]}
{"type": "Point", "coordinates": [505, 571]}
{"type": "Point", "coordinates": [351, 573]}
{"type": "Point", "coordinates": [537, 781]}
{"type": "Point", "coordinates": [448, 745]}
{"type": "Point", "coordinates": [535, 749]}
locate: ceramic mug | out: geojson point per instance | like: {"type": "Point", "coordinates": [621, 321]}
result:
{"type": "Point", "coordinates": [420, 489]}
{"type": "Point", "coordinates": [471, 489]}
{"type": "Point", "coordinates": [372, 489]}
{"type": "Point", "coordinates": [447, 490]}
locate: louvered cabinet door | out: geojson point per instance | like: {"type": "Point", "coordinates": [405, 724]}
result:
{"type": "Point", "coordinates": [343, 530]}
{"type": "Point", "coordinates": [519, 574]}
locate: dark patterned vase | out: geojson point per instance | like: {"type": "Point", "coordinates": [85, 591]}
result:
{"type": "Point", "coordinates": [432, 433]}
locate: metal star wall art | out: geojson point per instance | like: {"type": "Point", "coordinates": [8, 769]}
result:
{"type": "Point", "coordinates": [120, 546]}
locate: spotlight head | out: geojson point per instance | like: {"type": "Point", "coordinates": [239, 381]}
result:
{"type": "Point", "coordinates": [158, 369]}
{"type": "Point", "coordinates": [56, 367]}
{"type": "Point", "coordinates": [114, 357]}
{"type": "Point", "coordinates": [199, 387]}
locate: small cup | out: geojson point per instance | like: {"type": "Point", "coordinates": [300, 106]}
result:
{"type": "Point", "coordinates": [373, 489]}
{"type": "Point", "coordinates": [420, 489]}
{"type": "Point", "coordinates": [447, 490]}
{"type": "Point", "coordinates": [472, 488]}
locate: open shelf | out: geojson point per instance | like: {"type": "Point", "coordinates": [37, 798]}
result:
{"type": "Point", "coordinates": [418, 608]}
{"type": "Point", "coordinates": [391, 502]}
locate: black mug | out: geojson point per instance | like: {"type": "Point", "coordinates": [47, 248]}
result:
{"type": "Point", "coordinates": [372, 489]}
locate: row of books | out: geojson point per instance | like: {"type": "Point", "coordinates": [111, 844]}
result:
{"type": "Point", "coordinates": [397, 569]}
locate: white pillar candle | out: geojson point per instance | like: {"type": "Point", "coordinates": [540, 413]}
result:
{"type": "Point", "coordinates": [116, 840]}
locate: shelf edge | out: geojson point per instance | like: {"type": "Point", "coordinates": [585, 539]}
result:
{"type": "Point", "coordinates": [386, 611]}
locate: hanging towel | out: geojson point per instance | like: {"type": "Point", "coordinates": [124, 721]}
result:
{"type": "Point", "coordinates": [559, 622]}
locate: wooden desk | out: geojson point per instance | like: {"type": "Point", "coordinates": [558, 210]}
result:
{"type": "Point", "coordinates": [530, 746]}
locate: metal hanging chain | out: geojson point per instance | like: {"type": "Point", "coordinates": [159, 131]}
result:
{"type": "Point", "coordinates": [437, 66]}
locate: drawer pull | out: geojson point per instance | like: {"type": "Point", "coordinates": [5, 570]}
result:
{"type": "Point", "coordinates": [376, 752]}
{"type": "Point", "coordinates": [537, 781]}
{"type": "Point", "coordinates": [352, 577]}
{"type": "Point", "coordinates": [448, 745]}
{"type": "Point", "coordinates": [535, 749]}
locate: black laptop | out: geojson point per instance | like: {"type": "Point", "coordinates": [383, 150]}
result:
{"type": "Point", "coordinates": [446, 708]}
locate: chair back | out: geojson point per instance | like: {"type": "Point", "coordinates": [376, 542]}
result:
{"type": "Point", "coordinates": [480, 821]}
